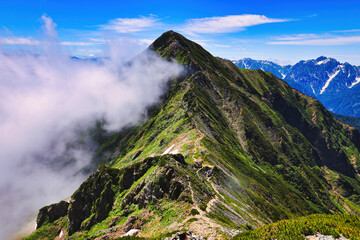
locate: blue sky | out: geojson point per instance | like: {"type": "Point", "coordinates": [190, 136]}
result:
{"type": "Point", "coordinates": [283, 31]}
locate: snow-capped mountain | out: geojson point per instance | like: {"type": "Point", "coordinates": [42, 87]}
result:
{"type": "Point", "coordinates": [268, 66]}
{"type": "Point", "coordinates": [335, 84]}
{"type": "Point", "coordinates": [324, 75]}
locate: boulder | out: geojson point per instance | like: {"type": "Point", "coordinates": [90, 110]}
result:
{"type": "Point", "coordinates": [51, 213]}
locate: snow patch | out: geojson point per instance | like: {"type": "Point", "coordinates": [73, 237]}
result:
{"type": "Point", "coordinates": [176, 151]}
{"type": "Point", "coordinates": [312, 89]}
{"type": "Point", "coordinates": [357, 80]}
{"type": "Point", "coordinates": [168, 150]}
{"type": "Point", "coordinates": [61, 233]}
{"type": "Point", "coordinates": [331, 77]}
{"type": "Point", "coordinates": [342, 68]}
{"type": "Point", "coordinates": [323, 61]}
{"type": "Point", "coordinates": [132, 232]}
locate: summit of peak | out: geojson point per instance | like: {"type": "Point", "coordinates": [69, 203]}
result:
{"type": "Point", "coordinates": [173, 45]}
{"type": "Point", "coordinates": [166, 39]}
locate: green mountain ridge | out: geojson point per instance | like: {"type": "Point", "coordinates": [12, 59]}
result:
{"type": "Point", "coordinates": [227, 150]}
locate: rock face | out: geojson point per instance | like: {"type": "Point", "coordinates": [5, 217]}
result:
{"type": "Point", "coordinates": [93, 200]}
{"type": "Point", "coordinates": [51, 213]}
{"type": "Point", "coordinates": [185, 236]}
{"type": "Point", "coordinates": [319, 236]}
{"type": "Point", "coordinates": [165, 182]}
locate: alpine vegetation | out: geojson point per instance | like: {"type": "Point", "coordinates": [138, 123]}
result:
{"type": "Point", "coordinates": [226, 150]}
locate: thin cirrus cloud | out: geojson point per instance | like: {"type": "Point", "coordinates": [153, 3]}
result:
{"type": "Point", "coordinates": [297, 37]}
{"type": "Point", "coordinates": [18, 41]}
{"type": "Point", "coordinates": [315, 40]}
{"type": "Point", "coordinates": [78, 43]}
{"type": "Point", "coordinates": [348, 31]}
{"type": "Point", "coordinates": [226, 24]}
{"type": "Point", "coordinates": [130, 25]}
{"type": "Point", "coordinates": [33, 42]}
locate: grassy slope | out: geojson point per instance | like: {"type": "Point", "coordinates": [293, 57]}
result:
{"type": "Point", "coordinates": [263, 151]}
{"type": "Point", "coordinates": [221, 127]}
{"type": "Point", "coordinates": [297, 228]}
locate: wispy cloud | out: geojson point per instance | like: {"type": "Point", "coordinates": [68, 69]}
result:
{"type": "Point", "coordinates": [130, 25]}
{"type": "Point", "coordinates": [49, 27]}
{"type": "Point", "coordinates": [295, 37]}
{"type": "Point", "coordinates": [312, 15]}
{"type": "Point", "coordinates": [78, 43]}
{"type": "Point", "coordinates": [316, 40]}
{"type": "Point", "coordinates": [146, 41]}
{"type": "Point", "coordinates": [348, 31]}
{"type": "Point", "coordinates": [202, 42]}
{"type": "Point", "coordinates": [34, 42]}
{"type": "Point", "coordinates": [222, 45]}
{"type": "Point", "coordinates": [18, 41]}
{"type": "Point", "coordinates": [226, 24]}
{"type": "Point", "coordinates": [142, 41]}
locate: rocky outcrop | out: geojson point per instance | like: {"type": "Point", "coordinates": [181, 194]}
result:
{"type": "Point", "coordinates": [51, 213]}
{"type": "Point", "coordinates": [92, 202]}
{"type": "Point", "coordinates": [319, 236]}
{"type": "Point", "coordinates": [166, 181]}
{"type": "Point", "coordinates": [185, 236]}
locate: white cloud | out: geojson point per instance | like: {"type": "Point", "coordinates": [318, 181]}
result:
{"type": "Point", "coordinates": [222, 45]}
{"type": "Point", "coordinates": [226, 24]}
{"type": "Point", "coordinates": [202, 42]}
{"type": "Point", "coordinates": [18, 41]}
{"type": "Point", "coordinates": [130, 25]}
{"type": "Point", "coordinates": [44, 99]}
{"type": "Point", "coordinates": [348, 31]}
{"type": "Point", "coordinates": [78, 43]}
{"type": "Point", "coordinates": [49, 27]}
{"type": "Point", "coordinates": [280, 62]}
{"type": "Point", "coordinates": [143, 41]}
{"type": "Point", "coordinates": [318, 40]}
{"type": "Point", "coordinates": [98, 40]}
{"type": "Point", "coordinates": [146, 41]}
{"type": "Point", "coordinates": [297, 37]}
{"type": "Point", "coordinates": [31, 41]}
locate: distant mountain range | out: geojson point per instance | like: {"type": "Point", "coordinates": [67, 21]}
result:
{"type": "Point", "coordinates": [267, 66]}
{"type": "Point", "coordinates": [335, 84]}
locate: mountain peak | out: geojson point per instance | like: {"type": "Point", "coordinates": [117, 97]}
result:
{"type": "Point", "coordinates": [227, 149]}
{"type": "Point", "coordinates": [169, 35]}
{"type": "Point", "coordinates": [321, 58]}
{"type": "Point", "coordinates": [172, 45]}
{"type": "Point", "coordinates": [168, 39]}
